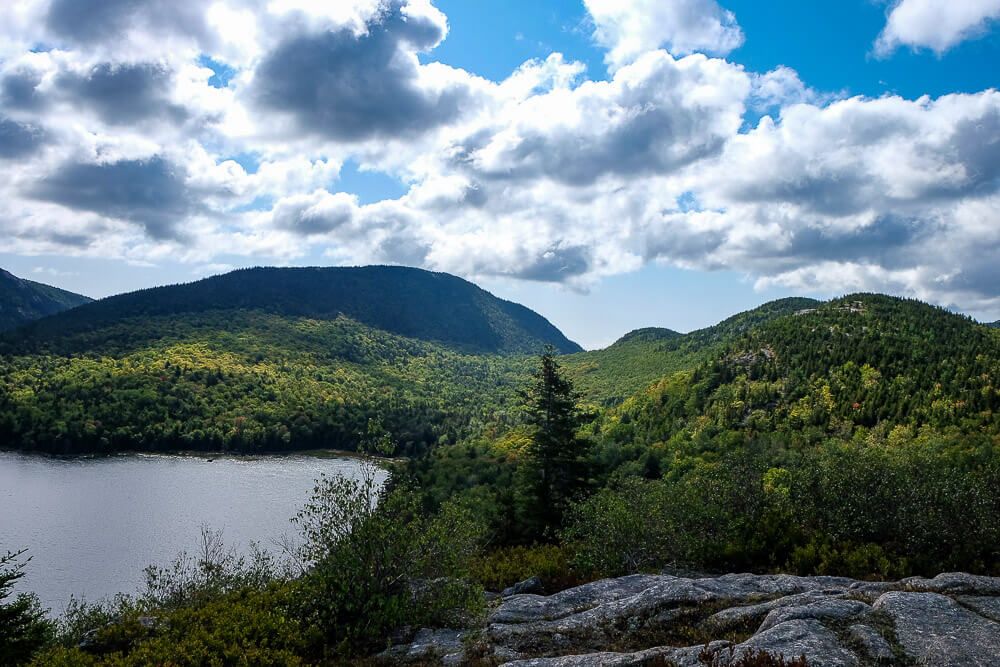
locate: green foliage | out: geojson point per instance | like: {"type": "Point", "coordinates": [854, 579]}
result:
{"type": "Point", "coordinates": [224, 381]}
{"type": "Point", "coordinates": [212, 572]}
{"type": "Point", "coordinates": [247, 626]}
{"type": "Point", "coordinates": [407, 302]}
{"type": "Point", "coordinates": [23, 626]}
{"type": "Point", "coordinates": [370, 563]}
{"type": "Point", "coordinates": [860, 510]}
{"type": "Point", "coordinates": [553, 471]}
{"type": "Point", "coordinates": [374, 562]}
{"type": "Point", "coordinates": [640, 358]}
{"type": "Point", "coordinates": [506, 566]}
{"type": "Point", "coordinates": [860, 437]}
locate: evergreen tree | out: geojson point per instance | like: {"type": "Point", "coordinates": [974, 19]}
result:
{"type": "Point", "coordinates": [23, 626]}
{"type": "Point", "coordinates": [555, 469]}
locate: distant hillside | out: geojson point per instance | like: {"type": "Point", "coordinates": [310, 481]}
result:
{"type": "Point", "coordinates": [994, 325]}
{"type": "Point", "coordinates": [268, 360]}
{"type": "Point", "coordinates": [23, 301]}
{"type": "Point", "coordinates": [855, 362]}
{"type": "Point", "coordinates": [644, 356]}
{"type": "Point", "coordinates": [647, 335]}
{"type": "Point", "coordinates": [325, 358]}
{"type": "Point", "coordinates": [407, 302]}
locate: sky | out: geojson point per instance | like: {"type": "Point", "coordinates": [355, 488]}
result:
{"type": "Point", "coordinates": [612, 164]}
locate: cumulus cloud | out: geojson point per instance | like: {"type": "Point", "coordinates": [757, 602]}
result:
{"type": "Point", "coordinates": [655, 115]}
{"type": "Point", "coordinates": [116, 143]}
{"type": "Point", "coordinates": [19, 90]}
{"type": "Point", "coordinates": [123, 93]}
{"type": "Point", "coordinates": [151, 192]}
{"type": "Point", "coordinates": [319, 212]}
{"type": "Point", "coordinates": [135, 24]}
{"type": "Point", "coordinates": [935, 24]}
{"type": "Point", "coordinates": [350, 85]}
{"type": "Point", "coordinates": [629, 28]}
{"type": "Point", "coordinates": [19, 139]}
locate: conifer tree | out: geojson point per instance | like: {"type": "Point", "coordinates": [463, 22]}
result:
{"type": "Point", "coordinates": [23, 626]}
{"type": "Point", "coordinates": [555, 470]}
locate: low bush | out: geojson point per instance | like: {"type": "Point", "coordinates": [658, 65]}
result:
{"type": "Point", "coordinates": [506, 566]}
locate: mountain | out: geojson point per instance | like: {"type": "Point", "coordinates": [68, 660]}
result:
{"type": "Point", "coordinates": [647, 335]}
{"type": "Point", "coordinates": [271, 359]}
{"type": "Point", "coordinates": [994, 325]}
{"type": "Point", "coordinates": [641, 357]}
{"type": "Point", "coordinates": [280, 359]}
{"type": "Point", "coordinates": [831, 369]}
{"type": "Point", "coordinates": [22, 301]}
{"type": "Point", "coordinates": [407, 302]}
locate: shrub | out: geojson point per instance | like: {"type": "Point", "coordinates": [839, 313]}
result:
{"type": "Point", "coordinates": [213, 571]}
{"type": "Point", "coordinates": [246, 627]}
{"type": "Point", "coordinates": [506, 566]}
{"type": "Point", "coordinates": [374, 562]}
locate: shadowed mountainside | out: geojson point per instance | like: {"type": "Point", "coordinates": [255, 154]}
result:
{"type": "Point", "coordinates": [22, 301]}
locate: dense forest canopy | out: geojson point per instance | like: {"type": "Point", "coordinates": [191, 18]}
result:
{"type": "Point", "coordinates": [22, 300]}
{"type": "Point", "coordinates": [162, 370]}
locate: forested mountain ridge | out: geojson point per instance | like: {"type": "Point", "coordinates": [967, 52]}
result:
{"type": "Point", "coordinates": [270, 359]}
{"type": "Point", "coordinates": [433, 307]}
{"type": "Point", "coordinates": [133, 372]}
{"type": "Point", "coordinates": [857, 362]}
{"type": "Point", "coordinates": [22, 300]}
{"type": "Point", "coordinates": [641, 357]}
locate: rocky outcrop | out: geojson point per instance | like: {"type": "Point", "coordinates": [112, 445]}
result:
{"type": "Point", "coordinates": [938, 630]}
{"type": "Point", "coordinates": [952, 619]}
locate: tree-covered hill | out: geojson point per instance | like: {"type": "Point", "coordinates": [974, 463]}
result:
{"type": "Point", "coordinates": [647, 334]}
{"type": "Point", "coordinates": [408, 302]}
{"type": "Point", "coordinates": [994, 325]}
{"type": "Point", "coordinates": [163, 369]}
{"type": "Point", "coordinates": [250, 381]}
{"type": "Point", "coordinates": [860, 362]}
{"type": "Point", "coordinates": [859, 437]}
{"type": "Point", "coordinates": [641, 357]}
{"type": "Point", "coordinates": [270, 359]}
{"type": "Point", "coordinates": [22, 301]}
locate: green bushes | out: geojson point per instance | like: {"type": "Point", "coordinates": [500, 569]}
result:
{"type": "Point", "coordinates": [374, 562]}
{"type": "Point", "coordinates": [242, 627]}
{"type": "Point", "coordinates": [860, 510]}
{"type": "Point", "coordinates": [506, 566]}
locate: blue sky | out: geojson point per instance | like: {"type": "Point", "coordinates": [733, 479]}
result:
{"type": "Point", "coordinates": [671, 163]}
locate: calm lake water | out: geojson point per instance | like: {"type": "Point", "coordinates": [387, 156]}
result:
{"type": "Point", "coordinates": [93, 524]}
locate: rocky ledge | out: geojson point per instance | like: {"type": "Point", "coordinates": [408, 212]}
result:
{"type": "Point", "coordinates": [952, 619]}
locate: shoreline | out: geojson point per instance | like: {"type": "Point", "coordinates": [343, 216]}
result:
{"type": "Point", "coordinates": [209, 457]}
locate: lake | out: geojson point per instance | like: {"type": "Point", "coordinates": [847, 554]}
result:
{"type": "Point", "coordinates": [93, 524]}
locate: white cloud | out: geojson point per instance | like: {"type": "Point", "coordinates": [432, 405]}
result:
{"type": "Point", "coordinates": [629, 28]}
{"type": "Point", "coordinates": [114, 148]}
{"type": "Point", "coordinates": [935, 24]}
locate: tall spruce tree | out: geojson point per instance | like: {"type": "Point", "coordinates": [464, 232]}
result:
{"type": "Point", "coordinates": [554, 472]}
